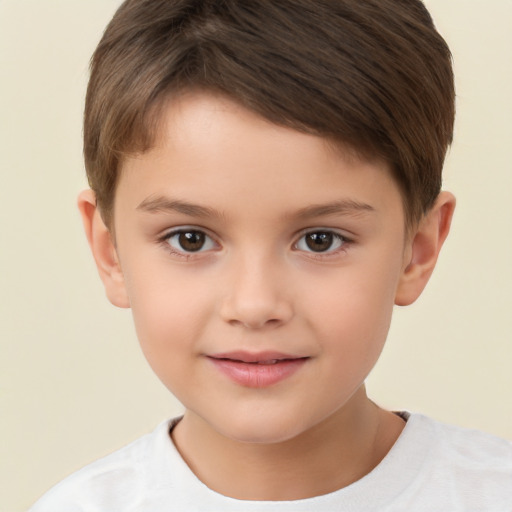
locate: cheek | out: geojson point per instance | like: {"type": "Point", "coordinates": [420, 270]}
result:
{"type": "Point", "coordinates": [356, 330]}
{"type": "Point", "coordinates": [354, 334]}
{"type": "Point", "coordinates": [169, 317]}
{"type": "Point", "coordinates": [352, 313]}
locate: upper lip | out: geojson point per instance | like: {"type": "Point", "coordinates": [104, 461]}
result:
{"type": "Point", "coordinates": [254, 357]}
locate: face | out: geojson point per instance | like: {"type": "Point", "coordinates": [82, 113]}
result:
{"type": "Point", "coordinates": [261, 266]}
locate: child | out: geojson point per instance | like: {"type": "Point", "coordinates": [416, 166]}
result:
{"type": "Point", "coordinates": [265, 188]}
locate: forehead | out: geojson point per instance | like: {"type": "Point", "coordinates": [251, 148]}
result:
{"type": "Point", "coordinates": [214, 149]}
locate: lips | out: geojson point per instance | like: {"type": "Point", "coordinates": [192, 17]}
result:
{"type": "Point", "coordinates": [257, 370]}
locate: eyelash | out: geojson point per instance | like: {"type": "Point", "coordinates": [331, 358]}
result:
{"type": "Point", "coordinates": [165, 241]}
{"type": "Point", "coordinates": [343, 241]}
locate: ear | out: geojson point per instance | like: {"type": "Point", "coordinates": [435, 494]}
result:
{"type": "Point", "coordinates": [423, 248]}
{"type": "Point", "coordinates": [103, 250]}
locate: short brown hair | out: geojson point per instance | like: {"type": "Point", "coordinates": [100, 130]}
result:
{"type": "Point", "coordinates": [372, 74]}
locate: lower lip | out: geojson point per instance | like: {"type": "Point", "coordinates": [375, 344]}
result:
{"type": "Point", "coordinates": [258, 375]}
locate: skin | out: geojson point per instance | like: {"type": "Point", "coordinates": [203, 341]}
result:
{"type": "Point", "coordinates": [256, 285]}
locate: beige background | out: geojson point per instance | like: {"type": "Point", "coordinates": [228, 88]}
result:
{"type": "Point", "coordinates": [73, 383]}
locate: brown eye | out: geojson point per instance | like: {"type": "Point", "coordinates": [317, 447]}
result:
{"type": "Point", "coordinates": [320, 241]}
{"type": "Point", "coordinates": [189, 240]}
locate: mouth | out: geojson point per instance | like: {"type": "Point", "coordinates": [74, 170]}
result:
{"type": "Point", "coordinates": [257, 370]}
{"type": "Point", "coordinates": [260, 358]}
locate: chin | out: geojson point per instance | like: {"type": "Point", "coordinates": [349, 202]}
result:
{"type": "Point", "coordinates": [261, 429]}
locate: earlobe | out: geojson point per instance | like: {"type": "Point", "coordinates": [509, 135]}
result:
{"type": "Point", "coordinates": [423, 249]}
{"type": "Point", "coordinates": [103, 250]}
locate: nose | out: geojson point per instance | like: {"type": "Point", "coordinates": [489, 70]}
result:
{"type": "Point", "coordinates": [256, 296]}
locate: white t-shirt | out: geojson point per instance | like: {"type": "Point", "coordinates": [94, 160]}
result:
{"type": "Point", "coordinates": [432, 467]}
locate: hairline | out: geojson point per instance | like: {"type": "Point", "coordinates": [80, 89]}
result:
{"type": "Point", "coordinates": [155, 119]}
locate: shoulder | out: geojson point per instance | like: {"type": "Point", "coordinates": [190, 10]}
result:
{"type": "Point", "coordinates": [114, 482]}
{"type": "Point", "coordinates": [465, 446]}
{"type": "Point", "coordinates": [463, 463]}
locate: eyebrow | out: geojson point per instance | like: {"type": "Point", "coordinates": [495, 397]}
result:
{"type": "Point", "coordinates": [164, 204]}
{"type": "Point", "coordinates": [341, 207]}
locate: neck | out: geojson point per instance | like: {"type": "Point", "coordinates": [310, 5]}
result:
{"type": "Point", "coordinates": [333, 454]}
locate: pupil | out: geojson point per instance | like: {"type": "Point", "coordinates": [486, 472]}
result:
{"type": "Point", "coordinates": [319, 242]}
{"type": "Point", "coordinates": [191, 240]}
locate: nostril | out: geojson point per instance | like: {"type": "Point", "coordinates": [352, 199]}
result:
{"type": "Point", "coordinates": [254, 323]}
